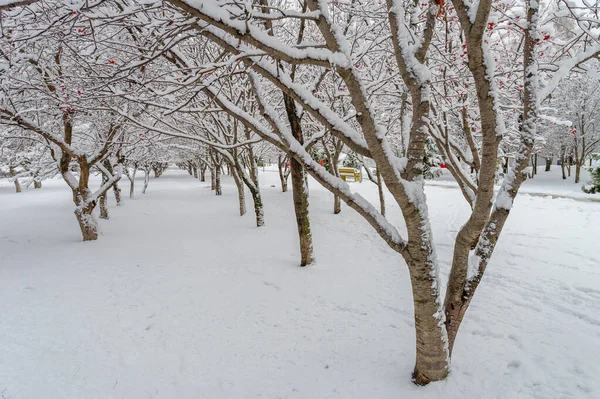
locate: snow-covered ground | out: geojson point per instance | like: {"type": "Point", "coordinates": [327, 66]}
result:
{"type": "Point", "coordinates": [182, 298]}
{"type": "Point", "coordinates": [543, 184]}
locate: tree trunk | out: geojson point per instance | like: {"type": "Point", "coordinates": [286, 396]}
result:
{"type": "Point", "coordinates": [102, 199]}
{"type": "Point", "coordinates": [87, 224]}
{"type": "Point", "coordinates": [195, 170]}
{"type": "Point", "coordinates": [132, 183]}
{"type": "Point", "coordinates": [203, 173]}
{"type": "Point", "coordinates": [37, 184]}
{"type": "Point", "coordinates": [11, 173]}
{"type": "Point", "coordinates": [562, 166]}
{"type": "Point", "coordinates": [548, 164]}
{"type": "Point", "coordinates": [337, 204]}
{"type": "Point", "coordinates": [381, 195]}
{"type": "Point", "coordinates": [103, 208]}
{"type": "Point", "coordinates": [241, 194]}
{"type": "Point", "coordinates": [300, 196]}
{"type": "Point", "coordinates": [281, 161]}
{"type": "Point", "coordinates": [117, 192]}
{"type": "Point", "coordinates": [146, 180]}
{"type": "Point", "coordinates": [218, 190]}
{"type": "Point", "coordinates": [299, 187]}
{"type": "Point", "coordinates": [577, 171]}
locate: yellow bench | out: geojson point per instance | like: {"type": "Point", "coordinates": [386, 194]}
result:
{"type": "Point", "coordinates": [350, 172]}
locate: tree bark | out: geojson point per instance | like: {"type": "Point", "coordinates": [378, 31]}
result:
{"type": "Point", "coordinates": [562, 166]}
{"type": "Point", "coordinates": [132, 182]}
{"type": "Point", "coordinates": [146, 179]}
{"type": "Point", "coordinates": [218, 189]}
{"type": "Point", "coordinates": [11, 173]}
{"type": "Point", "coordinates": [102, 201]}
{"type": "Point", "coordinates": [381, 194]}
{"type": "Point", "coordinates": [241, 194]}
{"type": "Point", "coordinates": [548, 164]}
{"type": "Point", "coordinates": [203, 173]}
{"type": "Point", "coordinates": [37, 184]}
{"type": "Point", "coordinates": [283, 177]}
{"type": "Point", "coordinates": [300, 188]}
{"type": "Point", "coordinates": [577, 171]}
{"type": "Point", "coordinates": [195, 170]}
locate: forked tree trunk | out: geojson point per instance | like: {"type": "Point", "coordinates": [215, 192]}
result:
{"type": "Point", "coordinates": [37, 184]}
{"type": "Point", "coordinates": [83, 208]}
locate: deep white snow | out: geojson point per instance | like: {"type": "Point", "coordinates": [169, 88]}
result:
{"type": "Point", "coordinates": [182, 298]}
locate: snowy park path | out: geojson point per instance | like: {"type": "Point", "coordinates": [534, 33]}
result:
{"type": "Point", "coordinates": [182, 298]}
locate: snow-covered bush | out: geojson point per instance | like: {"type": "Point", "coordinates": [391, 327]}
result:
{"type": "Point", "coordinates": [594, 186]}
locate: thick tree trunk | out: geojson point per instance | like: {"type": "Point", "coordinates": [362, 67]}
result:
{"type": "Point", "coordinates": [87, 224]}
{"type": "Point", "coordinates": [195, 170]}
{"type": "Point", "coordinates": [203, 173]}
{"type": "Point", "coordinates": [37, 184]}
{"type": "Point", "coordinates": [577, 171]}
{"type": "Point", "coordinates": [83, 209]}
{"type": "Point", "coordinates": [548, 164]}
